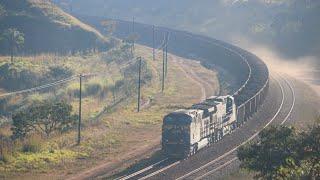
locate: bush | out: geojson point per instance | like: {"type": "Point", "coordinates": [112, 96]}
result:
{"type": "Point", "coordinates": [6, 157]}
{"type": "Point", "coordinates": [73, 89]}
{"type": "Point", "coordinates": [33, 144]}
{"type": "Point", "coordinates": [6, 148]}
{"type": "Point", "coordinates": [92, 88]}
{"type": "Point", "coordinates": [59, 72]}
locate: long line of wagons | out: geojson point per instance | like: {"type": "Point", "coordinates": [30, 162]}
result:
{"type": "Point", "coordinates": [186, 131]}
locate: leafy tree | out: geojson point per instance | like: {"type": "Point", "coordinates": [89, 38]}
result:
{"type": "Point", "coordinates": [282, 153]}
{"type": "Point", "coordinates": [14, 39]}
{"type": "Point", "coordinates": [45, 117]}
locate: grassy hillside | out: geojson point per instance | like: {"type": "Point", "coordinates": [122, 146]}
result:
{"type": "Point", "coordinates": [47, 28]}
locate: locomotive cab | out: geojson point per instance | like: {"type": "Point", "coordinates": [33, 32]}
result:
{"type": "Point", "coordinates": [176, 134]}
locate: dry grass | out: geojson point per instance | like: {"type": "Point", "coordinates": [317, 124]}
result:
{"type": "Point", "coordinates": [59, 16]}
{"type": "Point", "coordinates": [120, 132]}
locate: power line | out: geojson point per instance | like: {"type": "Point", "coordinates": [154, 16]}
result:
{"type": "Point", "coordinates": [39, 87]}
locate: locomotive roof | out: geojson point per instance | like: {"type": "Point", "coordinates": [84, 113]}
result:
{"type": "Point", "coordinates": [181, 116]}
{"type": "Point", "coordinates": [185, 116]}
{"type": "Point", "coordinates": [189, 112]}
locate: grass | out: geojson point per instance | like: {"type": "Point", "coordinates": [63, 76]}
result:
{"type": "Point", "coordinates": [59, 16]}
{"type": "Point", "coordinates": [47, 18]}
{"type": "Point", "coordinates": [120, 131]}
{"type": "Point", "coordinates": [40, 161]}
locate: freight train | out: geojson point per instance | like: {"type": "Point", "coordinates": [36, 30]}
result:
{"type": "Point", "coordinates": [186, 131]}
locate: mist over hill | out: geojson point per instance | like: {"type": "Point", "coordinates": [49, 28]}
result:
{"type": "Point", "coordinates": [290, 26]}
{"type": "Point", "coordinates": [47, 28]}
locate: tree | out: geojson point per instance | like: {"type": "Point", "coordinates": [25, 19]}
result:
{"type": "Point", "coordinates": [109, 26]}
{"type": "Point", "coordinates": [273, 151]}
{"type": "Point", "coordinates": [14, 39]}
{"type": "Point", "coordinates": [45, 117]}
{"type": "Point", "coordinates": [282, 153]}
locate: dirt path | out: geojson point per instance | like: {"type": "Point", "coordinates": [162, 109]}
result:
{"type": "Point", "coordinates": [129, 157]}
{"type": "Point", "coordinates": [193, 76]}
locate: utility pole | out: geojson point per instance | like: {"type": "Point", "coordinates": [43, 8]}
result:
{"type": "Point", "coordinates": [167, 54]}
{"type": "Point", "coordinates": [12, 46]}
{"type": "Point", "coordinates": [139, 84]}
{"type": "Point", "coordinates": [80, 99]}
{"type": "Point", "coordinates": [163, 67]}
{"type": "Point", "coordinates": [153, 43]}
{"type": "Point", "coordinates": [133, 32]}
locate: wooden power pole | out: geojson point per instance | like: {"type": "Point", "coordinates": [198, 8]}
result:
{"type": "Point", "coordinates": [139, 84]}
{"type": "Point", "coordinates": [133, 32]}
{"type": "Point", "coordinates": [166, 55]}
{"type": "Point", "coordinates": [163, 68]}
{"type": "Point", "coordinates": [80, 101]}
{"type": "Point", "coordinates": [153, 42]}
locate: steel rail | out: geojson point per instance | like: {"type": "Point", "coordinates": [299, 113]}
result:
{"type": "Point", "coordinates": [284, 120]}
{"type": "Point", "coordinates": [142, 170]}
{"type": "Point", "coordinates": [243, 143]}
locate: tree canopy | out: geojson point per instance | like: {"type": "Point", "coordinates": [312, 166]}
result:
{"type": "Point", "coordinates": [284, 153]}
{"type": "Point", "coordinates": [45, 117]}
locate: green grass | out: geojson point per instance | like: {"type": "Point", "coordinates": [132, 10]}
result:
{"type": "Point", "coordinates": [24, 162]}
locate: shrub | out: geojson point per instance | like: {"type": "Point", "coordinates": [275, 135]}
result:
{"type": "Point", "coordinates": [73, 89]}
{"type": "Point", "coordinates": [6, 148]}
{"type": "Point", "coordinates": [59, 72]}
{"type": "Point", "coordinates": [6, 157]}
{"type": "Point", "coordinates": [92, 88]}
{"type": "Point", "coordinates": [32, 144]}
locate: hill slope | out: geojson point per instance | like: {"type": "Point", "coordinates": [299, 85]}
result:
{"type": "Point", "coordinates": [47, 28]}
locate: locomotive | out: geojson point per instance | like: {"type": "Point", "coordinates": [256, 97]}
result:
{"type": "Point", "coordinates": [186, 131]}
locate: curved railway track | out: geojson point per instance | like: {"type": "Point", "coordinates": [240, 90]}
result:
{"type": "Point", "coordinates": [281, 117]}
{"type": "Point", "coordinates": [166, 169]}
{"type": "Point", "coordinates": [252, 83]}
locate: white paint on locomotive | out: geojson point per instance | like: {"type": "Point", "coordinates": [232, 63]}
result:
{"type": "Point", "coordinates": [185, 131]}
